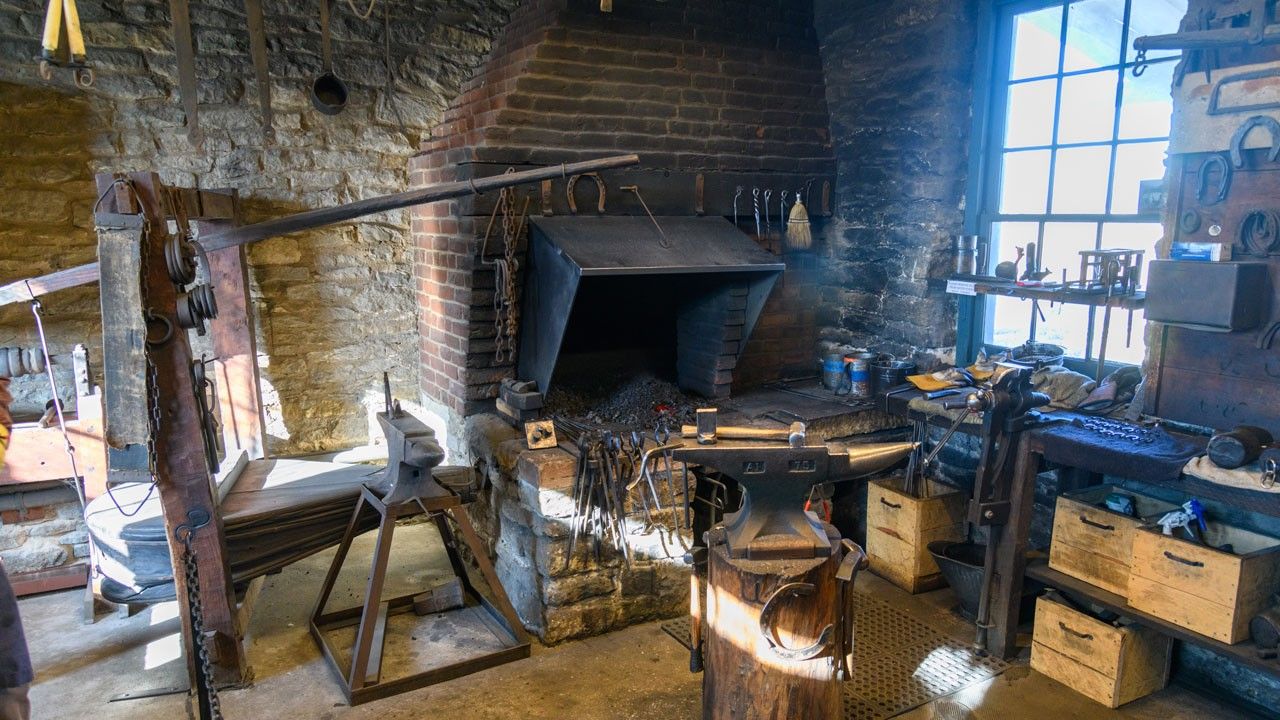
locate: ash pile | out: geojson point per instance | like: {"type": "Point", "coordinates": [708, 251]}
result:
{"type": "Point", "coordinates": [632, 402]}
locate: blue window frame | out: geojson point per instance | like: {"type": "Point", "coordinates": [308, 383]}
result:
{"type": "Point", "coordinates": [1063, 134]}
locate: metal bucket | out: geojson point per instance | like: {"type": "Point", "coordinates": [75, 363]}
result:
{"type": "Point", "coordinates": [887, 374]}
{"type": "Point", "coordinates": [833, 371]}
{"type": "Point", "coordinates": [858, 367]}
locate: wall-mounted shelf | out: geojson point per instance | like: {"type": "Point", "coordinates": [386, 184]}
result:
{"type": "Point", "coordinates": [1053, 293]}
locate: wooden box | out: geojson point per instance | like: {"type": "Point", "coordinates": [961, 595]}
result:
{"type": "Point", "coordinates": [1110, 665]}
{"type": "Point", "coordinates": [1203, 589]}
{"type": "Point", "coordinates": [1095, 544]}
{"type": "Point", "coordinates": [901, 526]}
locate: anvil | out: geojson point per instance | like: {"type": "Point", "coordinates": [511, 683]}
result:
{"type": "Point", "coordinates": [772, 523]}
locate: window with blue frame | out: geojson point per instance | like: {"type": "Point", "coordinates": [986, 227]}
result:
{"type": "Point", "coordinates": [1071, 133]}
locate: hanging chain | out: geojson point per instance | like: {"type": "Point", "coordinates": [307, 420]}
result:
{"type": "Point", "coordinates": [210, 705]}
{"type": "Point", "coordinates": [505, 270]}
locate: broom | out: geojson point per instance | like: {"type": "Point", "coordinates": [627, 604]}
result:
{"type": "Point", "coordinates": [799, 237]}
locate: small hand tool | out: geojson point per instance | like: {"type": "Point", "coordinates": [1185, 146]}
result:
{"type": "Point", "coordinates": [737, 193]}
{"type": "Point", "coordinates": [62, 20]}
{"type": "Point", "coordinates": [755, 200]}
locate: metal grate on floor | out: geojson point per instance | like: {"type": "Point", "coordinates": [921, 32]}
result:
{"type": "Point", "coordinates": [899, 662]}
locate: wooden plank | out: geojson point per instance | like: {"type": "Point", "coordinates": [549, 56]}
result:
{"type": "Point", "coordinates": [1088, 526]}
{"type": "Point", "coordinates": [124, 335]}
{"type": "Point", "coordinates": [38, 454]}
{"type": "Point", "coordinates": [42, 581]}
{"type": "Point", "coordinates": [1186, 610]}
{"type": "Point", "coordinates": [1108, 573]}
{"type": "Point", "coordinates": [25, 290]}
{"type": "Point", "coordinates": [1011, 551]}
{"type": "Point", "coordinates": [1091, 642]}
{"type": "Point", "coordinates": [235, 345]}
{"type": "Point", "coordinates": [1084, 680]}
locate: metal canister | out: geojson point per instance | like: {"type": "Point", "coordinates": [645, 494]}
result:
{"type": "Point", "coordinates": [858, 367]}
{"type": "Point", "coordinates": [833, 371]}
{"type": "Point", "coordinates": [966, 250]}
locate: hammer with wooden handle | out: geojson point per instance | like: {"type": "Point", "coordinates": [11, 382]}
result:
{"type": "Point", "coordinates": [729, 432]}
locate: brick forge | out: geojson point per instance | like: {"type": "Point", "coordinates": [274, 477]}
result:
{"type": "Point", "coordinates": [740, 103]}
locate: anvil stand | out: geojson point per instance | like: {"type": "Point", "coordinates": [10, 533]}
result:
{"type": "Point", "coordinates": [412, 491]}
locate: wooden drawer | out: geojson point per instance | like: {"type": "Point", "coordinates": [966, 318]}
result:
{"type": "Point", "coordinates": [1203, 589]}
{"type": "Point", "coordinates": [1110, 665]}
{"type": "Point", "coordinates": [1093, 543]}
{"type": "Point", "coordinates": [901, 526]}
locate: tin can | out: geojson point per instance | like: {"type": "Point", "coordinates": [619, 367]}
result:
{"type": "Point", "coordinates": [832, 372]}
{"type": "Point", "coordinates": [858, 368]}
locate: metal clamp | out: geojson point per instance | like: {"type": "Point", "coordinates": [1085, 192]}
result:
{"type": "Point", "coordinates": [600, 189]}
{"type": "Point", "coordinates": [798, 589]}
{"type": "Point", "coordinates": [1237, 140]}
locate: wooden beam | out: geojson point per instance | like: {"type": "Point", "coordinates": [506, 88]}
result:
{"type": "Point", "coordinates": [185, 486]}
{"type": "Point", "coordinates": [235, 346]}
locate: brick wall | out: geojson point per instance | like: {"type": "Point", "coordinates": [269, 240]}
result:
{"type": "Point", "coordinates": [899, 78]}
{"type": "Point", "coordinates": [674, 82]}
{"type": "Point", "coordinates": [335, 307]}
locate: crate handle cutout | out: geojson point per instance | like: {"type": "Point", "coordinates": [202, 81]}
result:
{"type": "Point", "coordinates": [1077, 633]}
{"type": "Point", "coordinates": [886, 503]}
{"type": "Point", "coordinates": [1184, 561]}
{"type": "Point", "coordinates": [1100, 526]}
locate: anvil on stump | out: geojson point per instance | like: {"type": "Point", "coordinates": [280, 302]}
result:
{"type": "Point", "coordinates": [779, 582]}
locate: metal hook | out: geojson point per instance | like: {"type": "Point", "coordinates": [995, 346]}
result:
{"type": "Point", "coordinates": [196, 519]}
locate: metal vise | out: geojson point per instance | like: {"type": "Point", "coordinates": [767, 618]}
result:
{"type": "Point", "coordinates": [412, 451]}
{"type": "Point", "coordinates": [772, 523]}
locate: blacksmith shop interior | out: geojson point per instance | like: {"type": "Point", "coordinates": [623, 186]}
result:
{"type": "Point", "coordinates": [639, 359]}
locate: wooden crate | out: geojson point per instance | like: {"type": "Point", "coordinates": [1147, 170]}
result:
{"type": "Point", "coordinates": [900, 528]}
{"type": "Point", "coordinates": [1110, 665]}
{"type": "Point", "coordinates": [1095, 544]}
{"type": "Point", "coordinates": [1205, 590]}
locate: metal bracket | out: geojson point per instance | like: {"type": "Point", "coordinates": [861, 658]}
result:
{"type": "Point", "coordinates": [699, 189]}
{"type": "Point", "coordinates": [546, 198]}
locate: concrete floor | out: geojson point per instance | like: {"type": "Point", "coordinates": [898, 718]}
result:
{"type": "Point", "coordinates": [638, 673]}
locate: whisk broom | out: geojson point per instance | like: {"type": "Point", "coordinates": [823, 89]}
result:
{"type": "Point", "coordinates": [799, 235]}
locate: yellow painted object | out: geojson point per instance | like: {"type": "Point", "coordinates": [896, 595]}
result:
{"type": "Point", "coordinates": [61, 16]}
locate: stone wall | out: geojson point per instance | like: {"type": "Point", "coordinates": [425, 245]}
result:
{"type": "Point", "coordinates": [335, 307]}
{"type": "Point", "coordinates": [898, 79]}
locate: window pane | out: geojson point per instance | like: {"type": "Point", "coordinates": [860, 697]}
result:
{"type": "Point", "coordinates": [1155, 17]}
{"type": "Point", "coordinates": [1080, 180]}
{"type": "Point", "coordinates": [1005, 236]}
{"type": "Point", "coordinates": [1088, 107]}
{"type": "Point", "coordinates": [1024, 181]}
{"type": "Point", "coordinates": [1134, 163]}
{"type": "Point", "coordinates": [1094, 34]}
{"type": "Point", "coordinates": [1135, 236]}
{"type": "Point", "coordinates": [1036, 42]}
{"type": "Point", "coordinates": [1062, 245]}
{"type": "Point", "coordinates": [1147, 106]}
{"type": "Point", "coordinates": [1065, 325]}
{"type": "Point", "coordinates": [1029, 121]}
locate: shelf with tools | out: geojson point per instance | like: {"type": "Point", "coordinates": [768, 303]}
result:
{"type": "Point", "coordinates": [1245, 653]}
{"type": "Point", "coordinates": [1056, 293]}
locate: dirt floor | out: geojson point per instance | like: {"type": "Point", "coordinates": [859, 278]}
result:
{"type": "Point", "coordinates": [635, 674]}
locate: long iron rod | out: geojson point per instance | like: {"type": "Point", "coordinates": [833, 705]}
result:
{"type": "Point", "coordinates": [26, 290]}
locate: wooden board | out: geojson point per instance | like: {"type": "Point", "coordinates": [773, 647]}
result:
{"type": "Point", "coordinates": [1107, 573]}
{"type": "Point", "coordinates": [900, 527]}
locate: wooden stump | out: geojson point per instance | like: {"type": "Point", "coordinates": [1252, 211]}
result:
{"type": "Point", "coordinates": [744, 677]}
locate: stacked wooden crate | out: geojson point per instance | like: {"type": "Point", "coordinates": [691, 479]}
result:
{"type": "Point", "coordinates": [1095, 544]}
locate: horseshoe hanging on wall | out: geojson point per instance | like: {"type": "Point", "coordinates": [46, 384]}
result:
{"type": "Point", "coordinates": [1205, 174]}
{"type": "Point", "coordinates": [600, 190]}
{"type": "Point", "coordinates": [1237, 140]}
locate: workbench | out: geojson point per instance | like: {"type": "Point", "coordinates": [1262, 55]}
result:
{"type": "Point", "coordinates": [1015, 561]}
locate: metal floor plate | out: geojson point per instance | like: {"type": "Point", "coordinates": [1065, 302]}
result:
{"type": "Point", "coordinates": [899, 662]}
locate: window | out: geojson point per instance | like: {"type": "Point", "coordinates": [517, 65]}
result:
{"type": "Point", "coordinates": [1071, 133]}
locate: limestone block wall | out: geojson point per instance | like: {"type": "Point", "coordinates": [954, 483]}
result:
{"type": "Point", "coordinates": [335, 307]}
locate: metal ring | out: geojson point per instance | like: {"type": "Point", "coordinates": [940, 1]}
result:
{"type": "Point", "coordinates": [162, 320]}
{"type": "Point", "coordinates": [810, 652]}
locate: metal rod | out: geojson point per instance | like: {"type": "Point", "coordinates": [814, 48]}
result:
{"type": "Point", "coordinates": [26, 290]}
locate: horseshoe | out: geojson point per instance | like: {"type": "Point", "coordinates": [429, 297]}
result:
{"type": "Point", "coordinates": [1237, 140]}
{"type": "Point", "coordinates": [600, 190]}
{"type": "Point", "coordinates": [797, 589]}
{"type": "Point", "coordinates": [1203, 175]}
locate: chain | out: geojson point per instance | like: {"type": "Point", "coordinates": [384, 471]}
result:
{"type": "Point", "coordinates": [505, 270]}
{"type": "Point", "coordinates": [1117, 430]}
{"type": "Point", "coordinates": [76, 481]}
{"type": "Point", "coordinates": [191, 573]}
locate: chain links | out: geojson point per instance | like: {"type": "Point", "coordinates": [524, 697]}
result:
{"type": "Point", "coordinates": [505, 270]}
{"type": "Point", "coordinates": [191, 573]}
